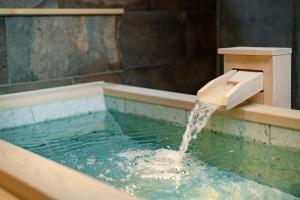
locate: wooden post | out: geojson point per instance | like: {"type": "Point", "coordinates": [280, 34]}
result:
{"type": "Point", "coordinates": [275, 63]}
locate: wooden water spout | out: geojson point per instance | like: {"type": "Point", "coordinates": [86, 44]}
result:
{"type": "Point", "coordinates": [256, 74]}
{"type": "Point", "coordinates": [232, 88]}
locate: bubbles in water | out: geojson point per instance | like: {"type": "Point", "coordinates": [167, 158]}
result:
{"type": "Point", "coordinates": [73, 158]}
{"type": "Point", "coordinates": [131, 155]}
{"type": "Point", "coordinates": [91, 160]}
{"type": "Point", "coordinates": [105, 178]}
{"type": "Point", "coordinates": [80, 166]}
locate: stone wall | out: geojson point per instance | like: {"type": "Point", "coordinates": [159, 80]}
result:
{"type": "Point", "coordinates": [271, 23]}
{"type": "Point", "coordinates": [161, 44]}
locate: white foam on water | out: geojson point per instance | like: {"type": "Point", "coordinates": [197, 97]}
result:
{"type": "Point", "coordinates": [91, 160]}
{"type": "Point", "coordinates": [165, 164]}
{"type": "Point", "coordinates": [163, 169]}
{"type": "Point", "coordinates": [161, 164]}
{"type": "Point", "coordinates": [131, 155]}
{"type": "Point", "coordinates": [175, 171]}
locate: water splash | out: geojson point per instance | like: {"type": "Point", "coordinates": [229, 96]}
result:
{"type": "Point", "coordinates": [165, 164]}
{"type": "Point", "coordinates": [196, 122]}
{"type": "Point", "coordinates": [161, 165]}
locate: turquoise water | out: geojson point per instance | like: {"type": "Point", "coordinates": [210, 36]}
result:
{"type": "Point", "coordinates": [138, 155]}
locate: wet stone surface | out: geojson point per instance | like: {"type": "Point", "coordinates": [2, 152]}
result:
{"type": "Point", "coordinates": [54, 47]}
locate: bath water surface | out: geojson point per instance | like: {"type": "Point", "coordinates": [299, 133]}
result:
{"type": "Point", "coordinates": [140, 156]}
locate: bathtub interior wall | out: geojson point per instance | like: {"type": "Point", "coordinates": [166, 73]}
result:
{"type": "Point", "coordinates": [46, 112]}
{"type": "Point", "coordinates": [251, 131]}
{"type": "Point", "coordinates": [96, 100]}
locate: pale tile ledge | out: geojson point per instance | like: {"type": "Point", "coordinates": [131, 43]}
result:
{"type": "Point", "coordinates": [47, 179]}
{"type": "Point", "coordinates": [50, 95]}
{"type": "Point", "coordinates": [252, 112]}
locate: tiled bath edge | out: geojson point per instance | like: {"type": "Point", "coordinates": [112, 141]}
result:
{"type": "Point", "coordinates": [258, 113]}
{"type": "Point", "coordinates": [258, 123]}
{"type": "Point", "coordinates": [44, 112]}
{"type": "Point", "coordinates": [173, 115]}
{"type": "Point", "coordinates": [251, 131]}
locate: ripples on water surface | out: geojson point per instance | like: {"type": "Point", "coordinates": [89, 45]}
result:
{"type": "Point", "coordinates": [138, 155]}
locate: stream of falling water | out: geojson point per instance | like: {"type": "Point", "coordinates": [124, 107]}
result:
{"type": "Point", "coordinates": [196, 122]}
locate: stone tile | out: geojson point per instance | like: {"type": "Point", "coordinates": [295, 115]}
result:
{"type": "Point", "coordinates": [285, 137]}
{"type": "Point", "coordinates": [3, 53]}
{"type": "Point", "coordinates": [151, 38]}
{"type": "Point", "coordinates": [181, 77]}
{"type": "Point", "coordinates": [201, 34]}
{"type": "Point", "coordinates": [16, 117]}
{"type": "Point", "coordinates": [252, 131]}
{"type": "Point", "coordinates": [227, 125]}
{"type": "Point", "coordinates": [55, 47]}
{"type": "Point", "coordinates": [19, 41]}
{"type": "Point", "coordinates": [127, 5]}
{"type": "Point", "coordinates": [21, 87]}
{"type": "Point", "coordinates": [259, 133]}
{"type": "Point", "coordinates": [107, 77]}
{"type": "Point", "coordinates": [28, 3]}
{"type": "Point", "coordinates": [116, 104]}
{"type": "Point", "coordinates": [173, 115]}
{"type": "Point", "coordinates": [68, 108]}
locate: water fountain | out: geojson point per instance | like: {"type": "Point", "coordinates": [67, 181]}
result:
{"type": "Point", "coordinates": [252, 74]}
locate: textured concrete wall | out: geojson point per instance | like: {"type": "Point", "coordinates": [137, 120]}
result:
{"type": "Point", "coordinates": [3, 54]}
{"type": "Point", "coordinates": [157, 43]}
{"type": "Point", "coordinates": [262, 23]}
{"type": "Point", "coordinates": [57, 47]}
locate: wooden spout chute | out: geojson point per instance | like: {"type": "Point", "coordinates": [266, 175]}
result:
{"type": "Point", "coordinates": [232, 88]}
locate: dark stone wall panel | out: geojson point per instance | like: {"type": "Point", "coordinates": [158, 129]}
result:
{"type": "Point", "coordinates": [28, 3]}
{"type": "Point", "coordinates": [54, 47]}
{"type": "Point", "coordinates": [19, 40]}
{"type": "Point", "coordinates": [184, 5]}
{"type": "Point", "coordinates": [181, 77]}
{"type": "Point", "coordinates": [3, 53]}
{"type": "Point", "coordinates": [151, 38]}
{"type": "Point", "coordinates": [201, 34]}
{"type": "Point", "coordinates": [154, 42]}
{"type": "Point", "coordinates": [256, 23]}
{"type": "Point", "coordinates": [126, 4]}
